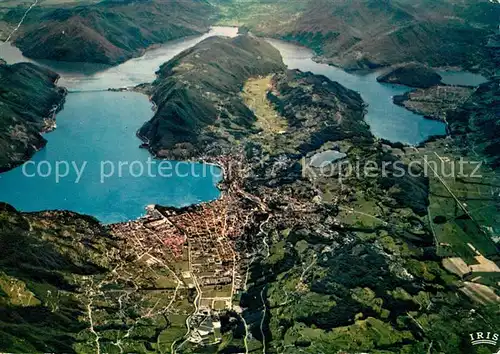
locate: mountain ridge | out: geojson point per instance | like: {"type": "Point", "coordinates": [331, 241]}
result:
{"type": "Point", "coordinates": [109, 32]}
{"type": "Point", "coordinates": [196, 95]}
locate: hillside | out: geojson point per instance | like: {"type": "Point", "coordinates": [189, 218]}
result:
{"type": "Point", "coordinates": [363, 34]}
{"type": "Point", "coordinates": [197, 96]}
{"type": "Point", "coordinates": [68, 285]}
{"type": "Point", "coordinates": [475, 123]}
{"type": "Point", "coordinates": [346, 262]}
{"type": "Point", "coordinates": [306, 257]}
{"type": "Point", "coordinates": [29, 99]}
{"type": "Point", "coordinates": [109, 32]}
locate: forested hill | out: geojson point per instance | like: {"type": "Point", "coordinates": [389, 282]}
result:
{"type": "Point", "coordinates": [197, 94]}
{"type": "Point", "coordinates": [109, 32]}
{"type": "Point", "coordinates": [476, 123]}
{"type": "Point", "coordinates": [28, 100]}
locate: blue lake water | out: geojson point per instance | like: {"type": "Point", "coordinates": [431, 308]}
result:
{"type": "Point", "coordinates": [386, 120]}
{"type": "Point", "coordinates": [99, 128]}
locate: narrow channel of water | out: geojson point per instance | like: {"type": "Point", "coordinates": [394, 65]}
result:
{"type": "Point", "coordinates": [386, 120]}
{"type": "Point", "coordinates": [89, 76]}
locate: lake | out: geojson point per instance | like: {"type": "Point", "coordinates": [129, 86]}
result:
{"type": "Point", "coordinates": [461, 78]}
{"type": "Point", "coordinates": [95, 148]}
{"type": "Point", "coordinates": [97, 130]}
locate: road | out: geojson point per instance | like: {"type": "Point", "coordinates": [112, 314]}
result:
{"type": "Point", "coordinates": [20, 23]}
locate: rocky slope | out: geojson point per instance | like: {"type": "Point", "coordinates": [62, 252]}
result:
{"type": "Point", "coordinates": [197, 95]}
{"type": "Point", "coordinates": [412, 75]}
{"type": "Point", "coordinates": [109, 32]}
{"type": "Point", "coordinates": [29, 99]}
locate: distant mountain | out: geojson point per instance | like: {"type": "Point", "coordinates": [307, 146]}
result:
{"type": "Point", "coordinates": [109, 32]}
{"type": "Point", "coordinates": [197, 94]}
{"type": "Point", "coordinates": [29, 98]}
{"type": "Point", "coordinates": [360, 34]}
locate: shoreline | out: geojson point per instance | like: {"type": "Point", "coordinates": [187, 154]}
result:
{"type": "Point", "coordinates": [49, 125]}
{"type": "Point", "coordinates": [140, 53]}
{"type": "Point", "coordinates": [145, 88]}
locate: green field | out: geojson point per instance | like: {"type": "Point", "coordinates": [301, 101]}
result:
{"type": "Point", "coordinates": [477, 219]}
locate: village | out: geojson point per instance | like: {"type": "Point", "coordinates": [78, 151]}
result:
{"type": "Point", "coordinates": [198, 245]}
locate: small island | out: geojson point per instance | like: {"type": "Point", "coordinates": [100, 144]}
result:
{"type": "Point", "coordinates": [412, 75]}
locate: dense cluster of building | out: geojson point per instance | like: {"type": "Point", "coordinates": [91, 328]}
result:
{"type": "Point", "coordinates": [198, 243]}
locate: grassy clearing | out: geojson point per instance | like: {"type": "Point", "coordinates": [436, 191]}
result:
{"type": "Point", "coordinates": [174, 332]}
{"type": "Point", "coordinates": [216, 291]}
{"type": "Point", "coordinates": [271, 124]}
{"type": "Point", "coordinates": [254, 95]}
{"type": "Point", "coordinates": [15, 292]}
{"type": "Point", "coordinates": [361, 213]}
{"type": "Point", "coordinates": [366, 334]}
